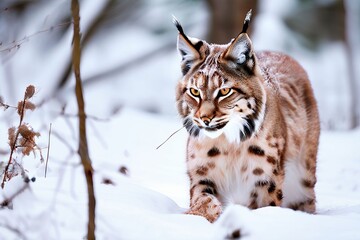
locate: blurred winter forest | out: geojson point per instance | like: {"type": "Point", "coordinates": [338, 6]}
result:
{"type": "Point", "coordinates": [129, 53]}
{"type": "Point", "coordinates": [129, 69]}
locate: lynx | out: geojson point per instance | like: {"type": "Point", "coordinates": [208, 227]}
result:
{"type": "Point", "coordinates": [253, 126]}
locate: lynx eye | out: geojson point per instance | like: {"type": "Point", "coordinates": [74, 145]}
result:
{"type": "Point", "coordinates": [224, 91]}
{"type": "Point", "coordinates": [194, 92]}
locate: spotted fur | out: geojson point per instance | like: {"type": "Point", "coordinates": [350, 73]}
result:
{"type": "Point", "coordinates": [253, 127]}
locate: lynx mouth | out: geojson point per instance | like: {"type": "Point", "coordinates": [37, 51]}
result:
{"type": "Point", "coordinates": [194, 128]}
{"type": "Point", "coordinates": [214, 131]}
{"type": "Point", "coordinates": [216, 127]}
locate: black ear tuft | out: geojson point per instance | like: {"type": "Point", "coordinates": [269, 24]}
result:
{"type": "Point", "coordinates": [240, 51]}
{"type": "Point", "coordinates": [191, 49]}
{"type": "Point", "coordinates": [181, 30]}
{"type": "Point", "coordinates": [246, 21]}
{"type": "Point", "coordinates": [178, 26]}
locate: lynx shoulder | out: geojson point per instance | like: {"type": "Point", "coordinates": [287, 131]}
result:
{"type": "Point", "coordinates": [253, 126]}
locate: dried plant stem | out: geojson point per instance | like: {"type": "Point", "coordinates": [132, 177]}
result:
{"type": "Point", "coordinates": [13, 146]}
{"type": "Point", "coordinates": [83, 146]}
{"type": "Point", "coordinates": [48, 151]}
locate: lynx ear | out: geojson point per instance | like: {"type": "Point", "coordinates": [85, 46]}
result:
{"type": "Point", "coordinates": [240, 51]}
{"type": "Point", "coordinates": [191, 49]}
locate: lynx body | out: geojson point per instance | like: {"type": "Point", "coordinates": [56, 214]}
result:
{"type": "Point", "coordinates": [253, 127]}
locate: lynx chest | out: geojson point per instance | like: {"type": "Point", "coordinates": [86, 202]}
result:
{"type": "Point", "coordinates": [237, 170]}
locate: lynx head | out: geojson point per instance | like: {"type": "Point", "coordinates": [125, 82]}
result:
{"type": "Point", "coordinates": [221, 90]}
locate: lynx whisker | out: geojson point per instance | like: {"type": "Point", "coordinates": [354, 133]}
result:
{"type": "Point", "coordinates": [169, 137]}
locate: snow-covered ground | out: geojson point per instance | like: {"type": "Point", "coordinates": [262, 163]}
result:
{"type": "Point", "coordinates": [148, 202]}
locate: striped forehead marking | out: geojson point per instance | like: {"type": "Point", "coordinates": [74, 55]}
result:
{"type": "Point", "coordinates": [208, 78]}
{"type": "Point", "coordinates": [210, 64]}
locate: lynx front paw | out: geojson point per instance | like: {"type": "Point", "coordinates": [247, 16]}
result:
{"type": "Point", "coordinates": [207, 206]}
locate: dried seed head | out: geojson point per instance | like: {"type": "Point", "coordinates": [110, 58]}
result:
{"type": "Point", "coordinates": [30, 90]}
{"type": "Point", "coordinates": [20, 107]}
{"type": "Point", "coordinates": [30, 105]}
{"type": "Point", "coordinates": [11, 137]}
{"type": "Point", "coordinates": [27, 132]}
{"type": "Point", "coordinates": [27, 146]}
{"type": "Point", "coordinates": [27, 140]}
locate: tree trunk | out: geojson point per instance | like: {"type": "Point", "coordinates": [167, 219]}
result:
{"type": "Point", "coordinates": [227, 18]}
{"type": "Point", "coordinates": [353, 87]}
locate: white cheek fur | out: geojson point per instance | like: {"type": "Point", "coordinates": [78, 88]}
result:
{"type": "Point", "coordinates": [231, 130]}
{"type": "Point", "coordinates": [213, 134]}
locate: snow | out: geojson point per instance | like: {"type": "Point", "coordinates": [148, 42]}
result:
{"type": "Point", "coordinates": [149, 202]}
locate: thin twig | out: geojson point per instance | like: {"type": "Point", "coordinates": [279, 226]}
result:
{"type": "Point", "coordinates": [170, 137]}
{"type": "Point", "coordinates": [48, 151]}
{"type": "Point", "coordinates": [131, 63]}
{"type": "Point", "coordinates": [17, 43]}
{"type": "Point", "coordinates": [6, 106]}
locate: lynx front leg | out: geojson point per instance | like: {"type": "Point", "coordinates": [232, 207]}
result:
{"type": "Point", "coordinates": [203, 201]}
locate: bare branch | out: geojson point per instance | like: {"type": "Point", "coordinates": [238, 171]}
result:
{"type": "Point", "coordinates": [148, 56]}
{"type": "Point", "coordinates": [86, 36]}
{"type": "Point", "coordinates": [83, 146]}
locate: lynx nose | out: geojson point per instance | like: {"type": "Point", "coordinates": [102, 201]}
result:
{"type": "Point", "coordinates": [206, 120]}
